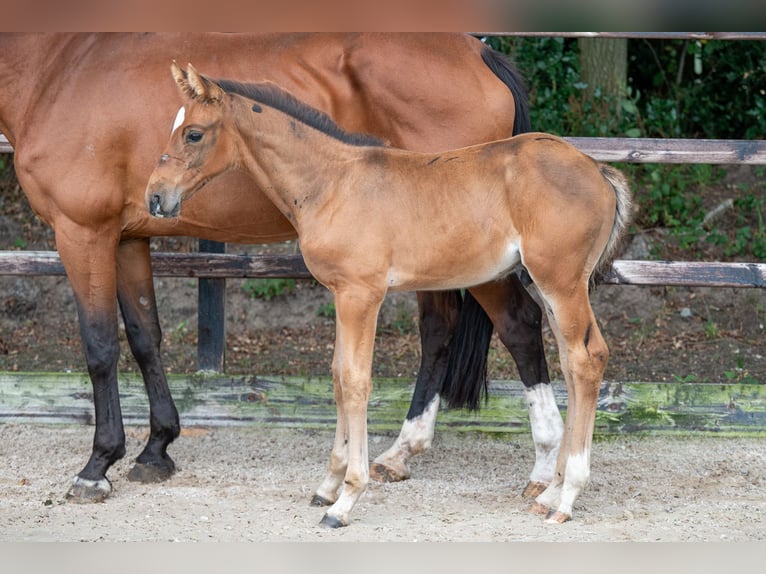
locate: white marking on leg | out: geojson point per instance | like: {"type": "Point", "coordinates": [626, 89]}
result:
{"type": "Point", "coordinates": [180, 117]}
{"type": "Point", "coordinates": [415, 437]}
{"type": "Point", "coordinates": [575, 479]}
{"type": "Point", "coordinates": [102, 486]}
{"type": "Point", "coordinates": [547, 430]}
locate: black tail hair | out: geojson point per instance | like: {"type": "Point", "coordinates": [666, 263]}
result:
{"type": "Point", "coordinates": [465, 380]}
{"type": "Point", "coordinates": [509, 75]}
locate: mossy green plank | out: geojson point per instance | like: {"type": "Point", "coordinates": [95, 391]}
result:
{"type": "Point", "coordinates": [308, 403]}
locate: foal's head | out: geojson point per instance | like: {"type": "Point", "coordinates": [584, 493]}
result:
{"type": "Point", "coordinates": [198, 149]}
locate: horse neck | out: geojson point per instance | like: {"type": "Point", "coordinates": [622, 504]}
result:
{"type": "Point", "coordinates": [27, 63]}
{"type": "Point", "coordinates": [292, 162]}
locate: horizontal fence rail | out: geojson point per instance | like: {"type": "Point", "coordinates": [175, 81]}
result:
{"type": "Point", "coordinates": [648, 150]}
{"type": "Point", "coordinates": [235, 266]}
{"type": "Point", "coordinates": [635, 35]}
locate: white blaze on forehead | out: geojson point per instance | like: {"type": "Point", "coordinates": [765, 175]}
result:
{"type": "Point", "coordinates": [180, 116]}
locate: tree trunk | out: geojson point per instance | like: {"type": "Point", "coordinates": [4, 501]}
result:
{"type": "Point", "coordinates": [604, 67]}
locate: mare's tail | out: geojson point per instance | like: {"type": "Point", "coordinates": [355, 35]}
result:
{"type": "Point", "coordinates": [507, 74]}
{"type": "Point", "coordinates": [465, 379]}
{"type": "Point", "coordinates": [623, 215]}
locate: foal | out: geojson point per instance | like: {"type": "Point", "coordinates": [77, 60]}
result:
{"type": "Point", "coordinates": [479, 212]}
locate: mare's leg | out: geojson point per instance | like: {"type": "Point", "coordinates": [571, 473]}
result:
{"type": "Point", "coordinates": [356, 318]}
{"type": "Point", "coordinates": [583, 359]}
{"type": "Point", "coordinates": [518, 321]}
{"type": "Point", "coordinates": [439, 312]}
{"type": "Point", "coordinates": [88, 254]}
{"type": "Point", "coordinates": [135, 291]}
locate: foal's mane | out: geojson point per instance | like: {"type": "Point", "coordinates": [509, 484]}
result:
{"type": "Point", "coordinates": [273, 96]}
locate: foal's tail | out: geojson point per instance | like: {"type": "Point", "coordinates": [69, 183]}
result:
{"type": "Point", "coordinates": [623, 215]}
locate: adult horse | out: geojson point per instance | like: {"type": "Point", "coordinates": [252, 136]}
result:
{"type": "Point", "coordinates": [531, 201]}
{"type": "Point", "coordinates": [88, 114]}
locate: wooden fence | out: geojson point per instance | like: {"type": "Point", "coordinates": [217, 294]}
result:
{"type": "Point", "coordinates": [213, 266]}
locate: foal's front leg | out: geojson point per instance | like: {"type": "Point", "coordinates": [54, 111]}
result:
{"type": "Point", "coordinates": [327, 493]}
{"type": "Point", "coordinates": [356, 314]}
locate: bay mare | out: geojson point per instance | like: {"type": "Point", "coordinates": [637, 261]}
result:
{"type": "Point", "coordinates": [88, 114]}
{"type": "Point", "coordinates": [531, 201]}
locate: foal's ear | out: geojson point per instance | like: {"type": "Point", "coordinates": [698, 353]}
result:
{"type": "Point", "coordinates": [196, 86]}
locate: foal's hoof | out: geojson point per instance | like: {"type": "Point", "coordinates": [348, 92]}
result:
{"type": "Point", "coordinates": [556, 517]}
{"type": "Point", "coordinates": [317, 500]}
{"type": "Point", "coordinates": [151, 473]}
{"type": "Point", "coordinates": [537, 508]}
{"type": "Point", "coordinates": [533, 489]}
{"type": "Point", "coordinates": [385, 473]}
{"type": "Point", "coordinates": [332, 522]}
{"type": "Point", "coordinates": [84, 491]}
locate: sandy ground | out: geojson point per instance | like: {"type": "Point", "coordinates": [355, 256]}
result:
{"type": "Point", "coordinates": [254, 484]}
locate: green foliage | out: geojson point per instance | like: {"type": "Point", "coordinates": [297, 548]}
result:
{"type": "Point", "coordinates": [676, 88]}
{"type": "Point", "coordinates": [670, 195]}
{"type": "Point", "coordinates": [268, 288]}
{"type": "Point", "coordinates": [326, 310]}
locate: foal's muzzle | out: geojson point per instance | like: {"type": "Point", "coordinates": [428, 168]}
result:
{"type": "Point", "coordinates": [156, 208]}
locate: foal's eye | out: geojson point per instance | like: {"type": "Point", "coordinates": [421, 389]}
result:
{"type": "Point", "coordinates": [193, 136]}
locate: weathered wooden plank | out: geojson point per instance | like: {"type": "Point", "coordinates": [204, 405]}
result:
{"type": "Point", "coordinates": [228, 265]}
{"type": "Point", "coordinates": [672, 150]}
{"type": "Point", "coordinates": [623, 272]}
{"type": "Point", "coordinates": [216, 265]}
{"type": "Point", "coordinates": [308, 403]}
{"type": "Point", "coordinates": [637, 35]}
{"type": "Point", "coordinates": [686, 274]}
{"type": "Point", "coordinates": [651, 150]}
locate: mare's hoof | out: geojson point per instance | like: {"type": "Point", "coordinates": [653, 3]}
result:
{"type": "Point", "coordinates": [533, 489]}
{"type": "Point", "coordinates": [151, 473]}
{"type": "Point", "coordinates": [331, 522]}
{"type": "Point", "coordinates": [384, 473]}
{"type": "Point", "coordinates": [537, 508]}
{"type": "Point", "coordinates": [84, 491]}
{"type": "Point", "coordinates": [556, 517]}
{"type": "Point", "coordinates": [317, 500]}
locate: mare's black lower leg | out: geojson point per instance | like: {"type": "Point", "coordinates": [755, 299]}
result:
{"type": "Point", "coordinates": [520, 330]}
{"type": "Point", "coordinates": [135, 292]}
{"type": "Point", "coordinates": [101, 346]}
{"type": "Point", "coordinates": [438, 319]}
{"type": "Point", "coordinates": [437, 322]}
{"type": "Point", "coordinates": [518, 320]}
{"type": "Point", "coordinates": [519, 326]}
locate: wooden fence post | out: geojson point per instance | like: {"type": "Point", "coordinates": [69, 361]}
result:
{"type": "Point", "coordinates": [211, 316]}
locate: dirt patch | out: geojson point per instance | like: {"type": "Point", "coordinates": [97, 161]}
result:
{"type": "Point", "coordinates": [247, 484]}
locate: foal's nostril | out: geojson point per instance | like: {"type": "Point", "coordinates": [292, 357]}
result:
{"type": "Point", "coordinates": [154, 206]}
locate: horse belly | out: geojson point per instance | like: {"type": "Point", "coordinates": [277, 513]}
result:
{"type": "Point", "coordinates": [455, 268]}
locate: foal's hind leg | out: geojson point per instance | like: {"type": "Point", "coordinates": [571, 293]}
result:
{"type": "Point", "coordinates": [135, 291]}
{"type": "Point", "coordinates": [439, 313]}
{"type": "Point", "coordinates": [583, 359]}
{"type": "Point", "coordinates": [518, 321]}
